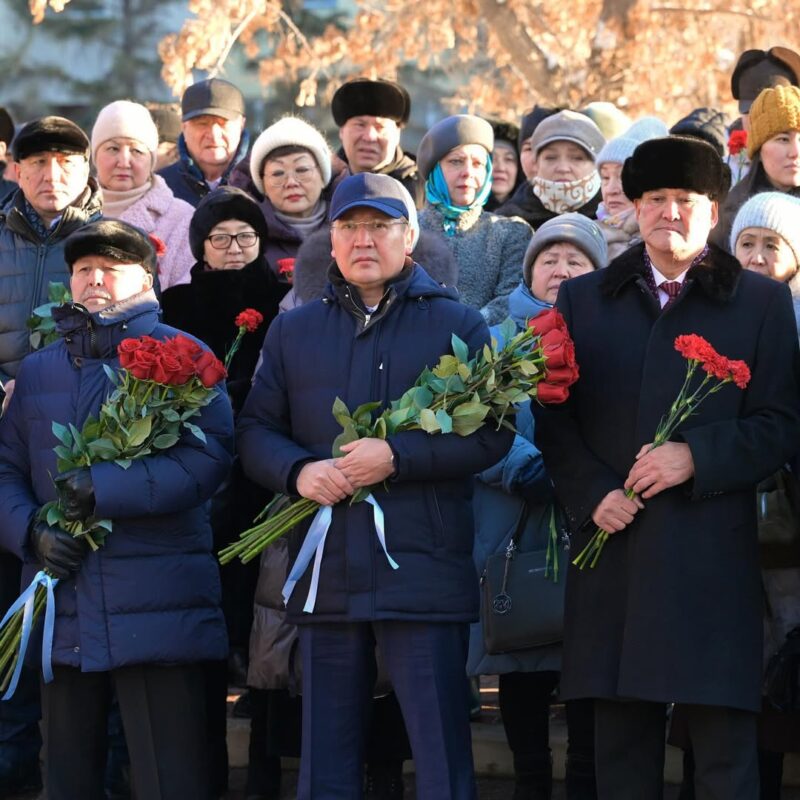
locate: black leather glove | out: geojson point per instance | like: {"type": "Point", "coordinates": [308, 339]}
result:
{"type": "Point", "coordinates": [60, 553]}
{"type": "Point", "coordinates": [76, 491]}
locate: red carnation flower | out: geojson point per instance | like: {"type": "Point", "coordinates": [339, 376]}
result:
{"type": "Point", "coordinates": [737, 142]}
{"type": "Point", "coordinates": [740, 373]}
{"type": "Point", "coordinates": [249, 319]}
{"type": "Point", "coordinates": [158, 244]}
{"type": "Point", "coordinates": [695, 348]}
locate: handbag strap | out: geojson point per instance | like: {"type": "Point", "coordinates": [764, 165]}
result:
{"type": "Point", "coordinates": [522, 521]}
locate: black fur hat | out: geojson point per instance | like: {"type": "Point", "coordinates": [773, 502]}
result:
{"type": "Point", "coordinates": [6, 126]}
{"type": "Point", "coordinates": [675, 162]}
{"type": "Point", "coordinates": [365, 97]}
{"type": "Point", "coordinates": [224, 203]}
{"type": "Point", "coordinates": [112, 238]}
{"type": "Point", "coordinates": [50, 135]}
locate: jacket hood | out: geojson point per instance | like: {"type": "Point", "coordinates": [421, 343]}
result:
{"type": "Point", "coordinates": [522, 305]}
{"type": "Point", "coordinates": [97, 334]}
{"type": "Point", "coordinates": [717, 274]}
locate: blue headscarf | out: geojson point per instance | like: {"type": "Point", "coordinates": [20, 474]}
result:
{"type": "Point", "coordinates": [438, 195]}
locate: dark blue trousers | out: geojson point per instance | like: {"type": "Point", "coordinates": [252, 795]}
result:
{"type": "Point", "coordinates": [426, 663]}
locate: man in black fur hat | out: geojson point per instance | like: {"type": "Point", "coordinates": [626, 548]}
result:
{"type": "Point", "coordinates": [672, 610]}
{"type": "Point", "coordinates": [370, 115]}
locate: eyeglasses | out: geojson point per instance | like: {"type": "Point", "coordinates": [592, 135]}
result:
{"type": "Point", "coordinates": [280, 177]}
{"type": "Point", "coordinates": [222, 241]}
{"type": "Point", "coordinates": [377, 229]}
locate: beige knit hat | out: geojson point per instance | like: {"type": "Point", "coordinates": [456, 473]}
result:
{"type": "Point", "coordinates": [774, 111]}
{"type": "Point", "coordinates": [125, 120]}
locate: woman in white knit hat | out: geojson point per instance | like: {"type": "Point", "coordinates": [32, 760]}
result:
{"type": "Point", "coordinates": [124, 153]}
{"type": "Point", "coordinates": [292, 178]}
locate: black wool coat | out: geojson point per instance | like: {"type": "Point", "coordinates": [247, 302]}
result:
{"type": "Point", "coordinates": [672, 612]}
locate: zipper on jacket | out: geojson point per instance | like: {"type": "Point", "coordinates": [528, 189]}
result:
{"type": "Point", "coordinates": [438, 540]}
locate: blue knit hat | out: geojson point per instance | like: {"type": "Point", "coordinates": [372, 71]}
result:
{"type": "Point", "coordinates": [617, 150]}
{"type": "Point", "coordinates": [775, 211]}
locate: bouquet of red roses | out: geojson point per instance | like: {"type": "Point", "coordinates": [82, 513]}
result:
{"type": "Point", "coordinates": [719, 371]}
{"type": "Point", "coordinates": [161, 385]}
{"type": "Point", "coordinates": [459, 395]}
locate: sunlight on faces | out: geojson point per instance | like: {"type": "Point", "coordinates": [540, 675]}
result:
{"type": "Point", "coordinates": [234, 255]}
{"type": "Point", "coordinates": [368, 259]}
{"type": "Point", "coordinates": [51, 181]}
{"type": "Point", "coordinates": [780, 157]}
{"type": "Point", "coordinates": [464, 171]}
{"type": "Point", "coordinates": [764, 251]}
{"type": "Point", "coordinates": [527, 159]}
{"type": "Point", "coordinates": [504, 169]}
{"type": "Point", "coordinates": [555, 264]}
{"type": "Point", "coordinates": [369, 142]}
{"type": "Point", "coordinates": [122, 164]}
{"type": "Point", "coordinates": [293, 183]}
{"type": "Point", "coordinates": [563, 161]}
{"type": "Point", "coordinates": [675, 223]}
{"type": "Point", "coordinates": [212, 141]}
{"type": "Point", "coordinates": [614, 198]}
{"type": "Point", "coordinates": [99, 281]}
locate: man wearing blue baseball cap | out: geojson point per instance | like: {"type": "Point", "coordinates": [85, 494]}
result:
{"type": "Point", "coordinates": [381, 322]}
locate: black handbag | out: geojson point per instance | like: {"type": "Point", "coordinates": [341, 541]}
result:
{"type": "Point", "coordinates": [520, 607]}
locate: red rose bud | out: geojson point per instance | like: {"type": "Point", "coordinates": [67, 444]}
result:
{"type": "Point", "coordinates": [125, 349]}
{"type": "Point", "coordinates": [185, 346]}
{"type": "Point", "coordinates": [550, 393]}
{"type": "Point", "coordinates": [561, 376]}
{"type": "Point", "coordinates": [209, 369]}
{"type": "Point", "coordinates": [249, 319]}
{"type": "Point", "coordinates": [558, 349]}
{"type": "Point", "coordinates": [548, 320]}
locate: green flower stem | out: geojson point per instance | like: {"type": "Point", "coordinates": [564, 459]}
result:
{"type": "Point", "coordinates": [12, 636]}
{"type": "Point", "coordinates": [235, 346]}
{"type": "Point", "coordinates": [253, 541]}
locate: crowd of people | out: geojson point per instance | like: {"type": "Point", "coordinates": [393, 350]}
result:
{"type": "Point", "coordinates": [364, 263]}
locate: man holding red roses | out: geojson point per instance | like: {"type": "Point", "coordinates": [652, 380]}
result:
{"type": "Point", "coordinates": [136, 616]}
{"type": "Point", "coordinates": [672, 610]}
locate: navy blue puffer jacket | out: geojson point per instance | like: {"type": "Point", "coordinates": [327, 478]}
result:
{"type": "Point", "coordinates": [150, 594]}
{"type": "Point", "coordinates": [323, 350]}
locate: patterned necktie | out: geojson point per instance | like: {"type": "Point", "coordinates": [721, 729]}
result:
{"type": "Point", "coordinates": [671, 289]}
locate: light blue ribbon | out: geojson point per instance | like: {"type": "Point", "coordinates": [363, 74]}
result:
{"type": "Point", "coordinates": [26, 601]}
{"type": "Point", "coordinates": [314, 545]}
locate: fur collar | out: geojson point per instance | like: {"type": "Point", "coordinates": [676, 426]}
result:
{"type": "Point", "coordinates": [717, 274]}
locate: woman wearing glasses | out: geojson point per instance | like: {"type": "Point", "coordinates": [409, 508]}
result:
{"type": "Point", "coordinates": [227, 238]}
{"type": "Point", "coordinates": [290, 175]}
{"type": "Point", "coordinates": [124, 153]}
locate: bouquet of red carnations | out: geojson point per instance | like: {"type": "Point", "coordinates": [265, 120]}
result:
{"type": "Point", "coordinates": [719, 371]}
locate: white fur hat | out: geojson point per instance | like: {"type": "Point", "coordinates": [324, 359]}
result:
{"type": "Point", "coordinates": [290, 131]}
{"type": "Point", "coordinates": [125, 120]}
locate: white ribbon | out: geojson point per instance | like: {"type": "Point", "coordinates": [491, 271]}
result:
{"type": "Point", "coordinates": [314, 545]}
